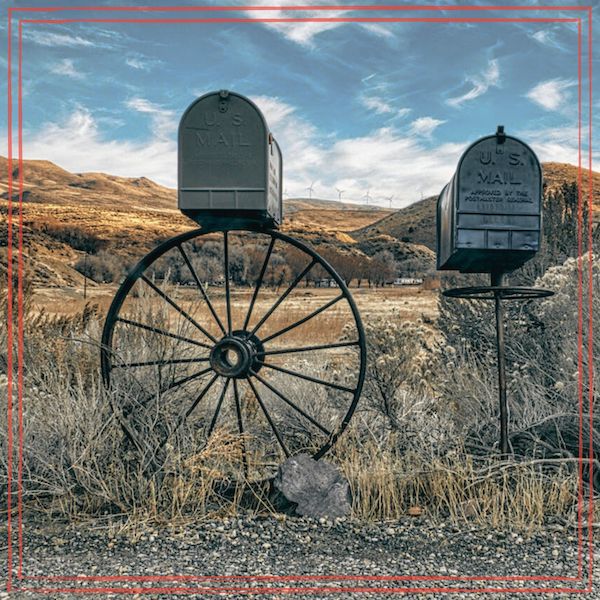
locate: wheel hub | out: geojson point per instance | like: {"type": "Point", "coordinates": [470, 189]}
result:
{"type": "Point", "coordinates": [236, 355]}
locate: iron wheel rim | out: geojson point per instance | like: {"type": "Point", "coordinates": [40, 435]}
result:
{"type": "Point", "coordinates": [257, 375]}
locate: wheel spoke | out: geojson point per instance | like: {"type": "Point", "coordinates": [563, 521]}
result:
{"type": "Point", "coordinates": [201, 288]}
{"type": "Point", "coordinates": [308, 377]}
{"type": "Point", "coordinates": [308, 348]}
{"type": "Point", "coordinates": [150, 363]}
{"type": "Point", "coordinates": [178, 308]}
{"type": "Point", "coordinates": [226, 271]}
{"type": "Point", "coordinates": [290, 403]}
{"type": "Point", "coordinates": [304, 320]}
{"type": "Point", "coordinates": [218, 409]}
{"type": "Point", "coordinates": [259, 283]}
{"type": "Point", "coordinates": [283, 297]}
{"type": "Point", "coordinates": [186, 379]}
{"type": "Point", "coordinates": [268, 416]}
{"type": "Point", "coordinates": [163, 332]}
{"type": "Point", "coordinates": [183, 416]}
{"type": "Point", "coordinates": [238, 411]}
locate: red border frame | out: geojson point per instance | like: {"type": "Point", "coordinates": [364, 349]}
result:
{"type": "Point", "coordinates": [316, 578]}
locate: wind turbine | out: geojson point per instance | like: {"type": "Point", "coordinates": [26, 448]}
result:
{"type": "Point", "coordinates": [310, 190]}
{"type": "Point", "coordinates": [340, 192]}
{"type": "Point", "coordinates": [367, 197]}
{"type": "Point", "coordinates": [389, 199]}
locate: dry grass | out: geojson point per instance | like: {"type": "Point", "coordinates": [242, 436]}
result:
{"type": "Point", "coordinates": [77, 462]}
{"type": "Point", "coordinates": [492, 493]}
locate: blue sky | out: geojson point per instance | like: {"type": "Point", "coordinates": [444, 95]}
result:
{"type": "Point", "coordinates": [380, 108]}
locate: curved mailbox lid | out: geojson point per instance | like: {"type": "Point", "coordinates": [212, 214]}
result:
{"type": "Point", "coordinates": [499, 176]}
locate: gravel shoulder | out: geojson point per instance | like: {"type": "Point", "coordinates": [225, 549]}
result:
{"type": "Point", "coordinates": [223, 553]}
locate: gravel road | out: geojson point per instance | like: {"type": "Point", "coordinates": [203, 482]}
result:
{"type": "Point", "coordinates": [56, 556]}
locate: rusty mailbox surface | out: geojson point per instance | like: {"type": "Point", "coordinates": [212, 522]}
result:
{"type": "Point", "coordinates": [489, 214]}
{"type": "Point", "coordinates": [229, 164]}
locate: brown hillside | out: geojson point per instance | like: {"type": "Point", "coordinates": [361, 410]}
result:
{"type": "Point", "coordinates": [66, 215]}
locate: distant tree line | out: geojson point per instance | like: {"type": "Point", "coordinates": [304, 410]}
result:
{"type": "Point", "coordinates": [246, 261]}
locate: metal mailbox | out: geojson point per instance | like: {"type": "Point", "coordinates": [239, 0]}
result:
{"type": "Point", "coordinates": [489, 214]}
{"type": "Point", "coordinates": [229, 164]}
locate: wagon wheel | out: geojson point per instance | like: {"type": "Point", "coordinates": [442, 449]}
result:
{"type": "Point", "coordinates": [216, 336]}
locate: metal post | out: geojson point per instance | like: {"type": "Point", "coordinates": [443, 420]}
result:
{"type": "Point", "coordinates": [497, 280]}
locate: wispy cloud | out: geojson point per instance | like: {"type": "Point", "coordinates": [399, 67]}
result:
{"type": "Point", "coordinates": [66, 67]}
{"type": "Point", "coordinates": [551, 94]}
{"type": "Point", "coordinates": [548, 37]}
{"type": "Point", "coordinates": [380, 106]}
{"type": "Point", "coordinates": [164, 121]}
{"type": "Point", "coordinates": [305, 34]}
{"type": "Point", "coordinates": [558, 144]}
{"type": "Point", "coordinates": [50, 38]}
{"type": "Point", "coordinates": [142, 63]}
{"type": "Point", "coordinates": [479, 84]}
{"type": "Point", "coordinates": [425, 126]}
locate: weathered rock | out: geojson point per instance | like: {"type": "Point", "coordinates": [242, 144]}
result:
{"type": "Point", "coordinates": [312, 488]}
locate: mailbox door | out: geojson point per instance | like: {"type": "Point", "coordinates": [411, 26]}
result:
{"type": "Point", "coordinates": [498, 205]}
{"type": "Point", "coordinates": [222, 157]}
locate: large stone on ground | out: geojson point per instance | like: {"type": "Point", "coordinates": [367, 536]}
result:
{"type": "Point", "coordinates": [316, 488]}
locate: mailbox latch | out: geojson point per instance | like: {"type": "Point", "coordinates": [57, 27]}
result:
{"type": "Point", "coordinates": [500, 135]}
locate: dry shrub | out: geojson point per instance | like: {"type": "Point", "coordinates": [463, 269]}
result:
{"type": "Point", "coordinates": [542, 365]}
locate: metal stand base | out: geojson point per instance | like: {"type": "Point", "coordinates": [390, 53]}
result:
{"type": "Point", "coordinates": [498, 292]}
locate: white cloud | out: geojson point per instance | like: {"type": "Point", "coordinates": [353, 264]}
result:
{"type": "Point", "coordinates": [480, 84]}
{"type": "Point", "coordinates": [142, 63]}
{"type": "Point", "coordinates": [551, 94]}
{"type": "Point", "coordinates": [164, 122]}
{"type": "Point", "coordinates": [425, 126]}
{"type": "Point", "coordinates": [49, 38]}
{"type": "Point", "coordinates": [381, 106]}
{"type": "Point", "coordinates": [136, 63]}
{"type": "Point", "coordinates": [66, 67]}
{"type": "Point", "coordinates": [558, 144]}
{"type": "Point", "coordinates": [304, 34]}
{"type": "Point", "coordinates": [77, 144]}
{"type": "Point", "coordinates": [547, 37]}
{"type": "Point", "coordinates": [385, 161]}
{"type": "Point", "coordinates": [377, 105]}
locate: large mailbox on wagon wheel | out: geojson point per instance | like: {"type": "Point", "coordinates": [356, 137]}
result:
{"type": "Point", "coordinates": [210, 336]}
{"type": "Point", "coordinates": [228, 161]}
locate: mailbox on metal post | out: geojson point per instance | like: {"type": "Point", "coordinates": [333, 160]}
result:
{"type": "Point", "coordinates": [230, 165]}
{"type": "Point", "coordinates": [489, 215]}
{"type": "Point", "coordinates": [489, 220]}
